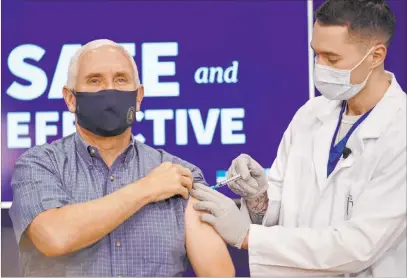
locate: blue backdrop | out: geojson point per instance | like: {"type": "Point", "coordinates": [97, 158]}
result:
{"type": "Point", "coordinates": [221, 78]}
{"type": "Point", "coordinates": [256, 79]}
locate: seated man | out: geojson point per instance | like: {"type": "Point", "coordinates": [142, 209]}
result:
{"type": "Point", "coordinates": [100, 203]}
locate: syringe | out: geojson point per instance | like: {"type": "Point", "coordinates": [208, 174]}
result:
{"type": "Point", "coordinates": [225, 182]}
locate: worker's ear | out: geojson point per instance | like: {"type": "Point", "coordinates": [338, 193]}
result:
{"type": "Point", "coordinates": [70, 99]}
{"type": "Point", "coordinates": [379, 55]}
{"type": "Point", "coordinates": [140, 96]}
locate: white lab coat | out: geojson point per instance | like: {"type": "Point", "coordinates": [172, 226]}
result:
{"type": "Point", "coordinates": [308, 230]}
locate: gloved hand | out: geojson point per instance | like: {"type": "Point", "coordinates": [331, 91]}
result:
{"type": "Point", "coordinates": [222, 213]}
{"type": "Point", "coordinates": [253, 182]}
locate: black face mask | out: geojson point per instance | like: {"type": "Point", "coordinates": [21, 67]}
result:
{"type": "Point", "coordinates": [106, 113]}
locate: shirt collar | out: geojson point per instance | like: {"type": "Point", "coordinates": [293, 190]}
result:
{"type": "Point", "coordinates": [89, 152]}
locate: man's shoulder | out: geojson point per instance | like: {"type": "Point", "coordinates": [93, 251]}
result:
{"type": "Point", "coordinates": [147, 151]}
{"type": "Point", "coordinates": [396, 130]}
{"type": "Point", "coordinates": [314, 105]}
{"type": "Point", "coordinates": [314, 108]}
{"type": "Point", "coordinates": [158, 156]}
{"type": "Point", "coordinates": [59, 147]}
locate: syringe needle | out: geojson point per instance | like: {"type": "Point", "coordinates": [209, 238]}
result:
{"type": "Point", "coordinates": [225, 182]}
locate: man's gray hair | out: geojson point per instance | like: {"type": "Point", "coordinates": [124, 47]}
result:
{"type": "Point", "coordinates": [73, 66]}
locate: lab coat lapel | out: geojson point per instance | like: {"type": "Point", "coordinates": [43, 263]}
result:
{"type": "Point", "coordinates": [355, 143]}
{"type": "Point", "coordinates": [328, 118]}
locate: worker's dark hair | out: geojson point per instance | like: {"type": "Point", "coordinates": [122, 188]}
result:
{"type": "Point", "coordinates": [365, 19]}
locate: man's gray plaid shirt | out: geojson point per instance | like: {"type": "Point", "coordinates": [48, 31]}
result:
{"type": "Point", "coordinates": [68, 171]}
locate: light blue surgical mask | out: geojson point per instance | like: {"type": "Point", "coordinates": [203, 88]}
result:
{"type": "Point", "coordinates": [334, 84]}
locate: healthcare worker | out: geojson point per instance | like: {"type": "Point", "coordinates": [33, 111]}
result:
{"type": "Point", "coordinates": [334, 202]}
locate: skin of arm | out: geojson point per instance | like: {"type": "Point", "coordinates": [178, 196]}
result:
{"type": "Point", "coordinates": [206, 250]}
{"type": "Point", "coordinates": [59, 231]}
{"type": "Point", "coordinates": [257, 208]}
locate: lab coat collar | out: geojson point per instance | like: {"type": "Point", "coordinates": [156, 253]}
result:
{"type": "Point", "coordinates": [390, 102]}
{"type": "Point", "coordinates": [373, 126]}
{"type": "Point", "coordinates": [384, 111]}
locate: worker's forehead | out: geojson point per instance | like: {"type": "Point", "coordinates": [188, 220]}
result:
{"type": "Point", "coordinates": [333, 39]}
{"type": "Point", "coordinates": [103, 59]}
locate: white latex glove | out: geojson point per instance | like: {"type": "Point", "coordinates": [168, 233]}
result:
{"type": "Point", "coordinates": [253, 182]}
{"type": "Point", "coordinates": [222, 213]}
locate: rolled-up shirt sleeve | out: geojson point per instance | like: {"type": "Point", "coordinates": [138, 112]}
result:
{"type": "Point", "coordinates": [36, 188]}
{"type": "Point", "coordinates": [196, 172]}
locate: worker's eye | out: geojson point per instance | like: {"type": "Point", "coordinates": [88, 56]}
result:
{"type": "Point", "coordinates": [333, 60]}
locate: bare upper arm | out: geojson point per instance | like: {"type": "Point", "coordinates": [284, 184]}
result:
{"type": "Point", "coordinates": [205, 247]}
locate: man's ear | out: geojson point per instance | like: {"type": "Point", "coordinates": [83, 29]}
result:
{"type": "Point", "coordinates": [379, 55]}
{"type": "Point", "coordinates": [140, 96]}
{"type": "Point", "coordinates": [70, 99]}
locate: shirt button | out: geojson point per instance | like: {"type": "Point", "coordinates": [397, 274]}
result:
{"type": "Point", "coordinates": [111, 178]}
{"type": "Point", "coordinates": [118, 243]}
{"type": "Point", "coordinates": [92, 152]}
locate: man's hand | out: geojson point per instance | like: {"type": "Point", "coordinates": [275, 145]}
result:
{"type": "Point", "coordinates": [230, 223]}
{"type": "Point", "coordinates": [168, 180]}
{"type": "Point", "coordinates": [253, 183]}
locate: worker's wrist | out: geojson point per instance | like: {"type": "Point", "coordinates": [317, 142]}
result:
{"type": "Point", "coordinates": [259, 195]}
{"type": "Point", "coordinates": [245, 243]}
{"type": "Point", "coordinates": [242, 239]}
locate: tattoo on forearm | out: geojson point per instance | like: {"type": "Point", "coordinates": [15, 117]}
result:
{"type": "Point", "coordinates": [257, 208]}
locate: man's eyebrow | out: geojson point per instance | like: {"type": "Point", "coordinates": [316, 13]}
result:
{"type": "Point", "coordinates": [90, 75]}
{"type": "Point", "coordinates": [122, 73]}
{"type": "Point", "coordinates": [329, 53]}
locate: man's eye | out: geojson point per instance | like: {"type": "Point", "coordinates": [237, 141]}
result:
{"type": "Point", "coordinates": [94, 81]}
{"type": "Point", "coordinates": [121, 80]}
